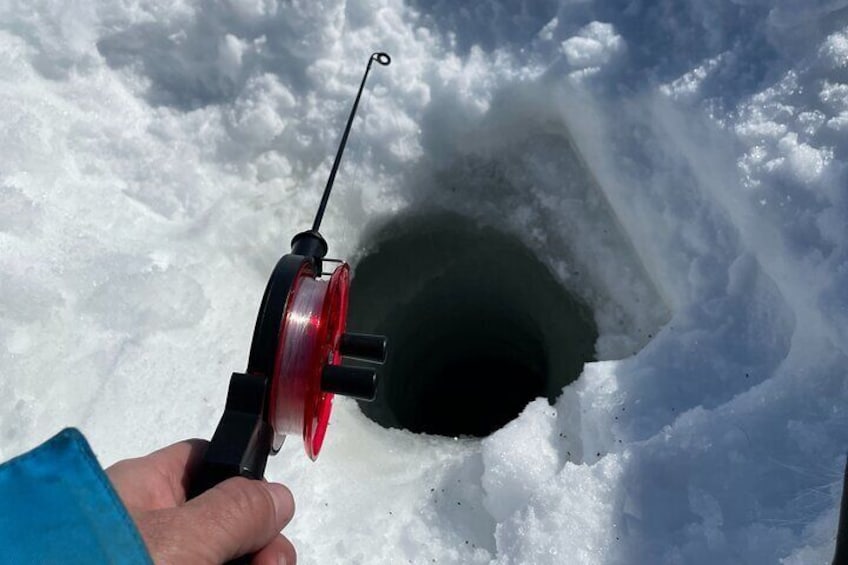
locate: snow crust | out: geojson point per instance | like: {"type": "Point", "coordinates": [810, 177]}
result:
{"type": "Point", "coordinates": [157, 156]}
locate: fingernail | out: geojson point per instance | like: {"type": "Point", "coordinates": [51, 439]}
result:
{"type": "Point", "coordinates": [282, 561]}
{"type": "Point", "coordinates": [283, 504]}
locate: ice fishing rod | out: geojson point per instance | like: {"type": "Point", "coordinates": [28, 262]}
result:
{"type": "Point", "coordinates": [295, 363]}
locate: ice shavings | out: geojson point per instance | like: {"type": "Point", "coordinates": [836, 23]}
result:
{"type": "Point", "coordinates": [519, 457]}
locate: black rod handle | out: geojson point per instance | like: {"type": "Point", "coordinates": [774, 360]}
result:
{"type": "Point", "coordinates": [241, 443]}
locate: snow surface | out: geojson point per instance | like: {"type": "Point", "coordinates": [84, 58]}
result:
{"type": "Point", "coordinates": [158, 155]}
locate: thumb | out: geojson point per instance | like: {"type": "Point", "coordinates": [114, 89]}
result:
{"type": "Point", "coordinates": [239, 516]}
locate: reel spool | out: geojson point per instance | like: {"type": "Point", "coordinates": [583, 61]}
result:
{"type": "Point", "coordinates": [295, 363]}
{"type": "Point", "coordinates": [307, 369]}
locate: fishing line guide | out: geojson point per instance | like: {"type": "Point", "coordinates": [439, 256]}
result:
{"type": "Point", "coordinates": [295, 362]}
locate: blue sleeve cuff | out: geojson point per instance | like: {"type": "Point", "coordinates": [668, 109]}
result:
{"type": "Point", "coordinates": [58, 506]}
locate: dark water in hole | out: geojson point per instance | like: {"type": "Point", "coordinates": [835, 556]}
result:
{"type": "Point", "coordinates": [477, 326]}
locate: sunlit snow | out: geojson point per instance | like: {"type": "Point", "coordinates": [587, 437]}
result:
{"type": "Point", "coordinates": [679, 165]}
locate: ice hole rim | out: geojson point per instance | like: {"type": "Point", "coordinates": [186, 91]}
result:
{"type": "Point", "coordinates": [477, 325]}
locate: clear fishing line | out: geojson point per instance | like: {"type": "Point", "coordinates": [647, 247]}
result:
{"type": "Point", "coordinates": [301, 346]}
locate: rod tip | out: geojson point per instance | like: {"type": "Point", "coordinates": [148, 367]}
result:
{"type": "Point", "coordinates": [382, 58]}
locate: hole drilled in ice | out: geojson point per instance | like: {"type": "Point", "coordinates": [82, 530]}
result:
{"type": "Point", "coordinates": [478, 326]}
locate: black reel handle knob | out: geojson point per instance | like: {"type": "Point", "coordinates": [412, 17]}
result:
{"type": "Point", "coordinates": [364, 347]}
{"type": "Point", "coordinates": [356, 382]}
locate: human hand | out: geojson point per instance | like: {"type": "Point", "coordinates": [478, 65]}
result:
{"type": "Point", "coordinates": [237, 517]}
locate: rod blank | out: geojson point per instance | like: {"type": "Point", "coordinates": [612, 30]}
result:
{"type": "Point", "coordinates": [385, 60]}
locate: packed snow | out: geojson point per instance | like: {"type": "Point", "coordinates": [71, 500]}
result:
{"type": "Point", "coordinates": [157, 156]}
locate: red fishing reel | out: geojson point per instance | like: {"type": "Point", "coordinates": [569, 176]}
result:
{"type": "Point", "coordinates": [294, 369]}
{"type": "Point", "coordinates": [307, 368]}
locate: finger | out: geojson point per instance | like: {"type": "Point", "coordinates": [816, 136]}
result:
{"type": "Point", "coordinates": [239, 516]}
{"type": "Point", "coordinates": [177, 463]}
{"type": "Point", "coordinates": [158, 480]}
{"type": "Point", "coordinates": [279, 552]}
